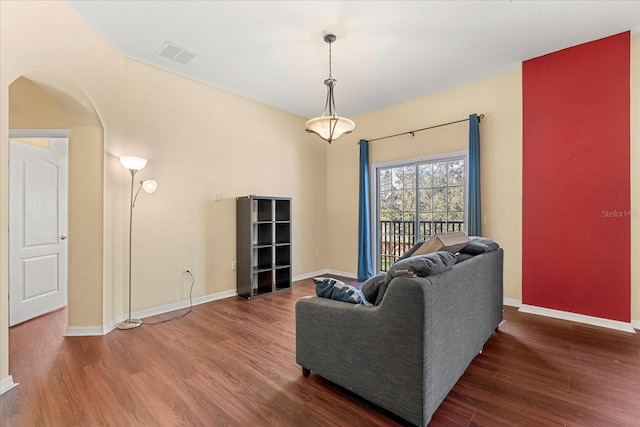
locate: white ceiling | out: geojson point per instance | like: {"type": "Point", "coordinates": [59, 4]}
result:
{"type": "Point", "coordinates": [386, 53]}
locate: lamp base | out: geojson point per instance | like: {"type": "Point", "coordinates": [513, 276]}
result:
{"type": "Point", "coordinates": [129, 324]}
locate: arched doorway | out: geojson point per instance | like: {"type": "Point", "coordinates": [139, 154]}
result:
{"type": "Point", "coordinates": [44, 101]}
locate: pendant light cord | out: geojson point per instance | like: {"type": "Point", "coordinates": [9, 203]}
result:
{"type": "Point", "coordinates": [330, 43]}
{"type": "Point", "coordinates": [330, 100]}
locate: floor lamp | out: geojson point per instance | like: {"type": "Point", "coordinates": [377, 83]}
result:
{"type": "Point", "coordinates": [134, 165]}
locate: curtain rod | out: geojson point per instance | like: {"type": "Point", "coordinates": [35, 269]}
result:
{"type": "Point", "coordinates": [412, 132]}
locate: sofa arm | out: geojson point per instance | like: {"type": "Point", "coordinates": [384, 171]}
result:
{"type": "Point", "coordinates": [375, 352]}
{"type": "Point", "coordinates": [329, 331]}
{"type": "Point", "coordinates": [357, 331]}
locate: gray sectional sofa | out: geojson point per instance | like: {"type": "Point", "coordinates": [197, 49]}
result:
{"type": "Point", "coordinates": [406, 353]}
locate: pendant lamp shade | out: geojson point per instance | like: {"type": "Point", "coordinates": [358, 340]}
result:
{"type": "Point", "coordinates": [330, 127]}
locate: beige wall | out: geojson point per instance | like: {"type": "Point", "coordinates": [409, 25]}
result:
{"type": "Point", "coordinates": [30, 107]}
{"type": "Point", "coordinates": [202, 142]}
{"type": "Point", "coordinates": [499, 99]}
{"type": "Point", "coordinates": [4, 219]}
{"type": "Point", "coordinates": [199, 144]}
{"type": "Point", "coordinates": [635, 178]}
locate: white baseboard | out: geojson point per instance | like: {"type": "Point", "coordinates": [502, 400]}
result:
{"type": "Point", "coordinates": [304, 276]}
{"type": "Point", "coordinates": [324, 273]}
{"type": "Point", "coordinates": [346, 274]}
{"type": "Point", "coordinates": [86, 331]}
{"type": "Point", "coordinates": [180, 305]}
{"type": "Point", "coordinates": [105, 329]}
{"type": "Point", "coordinates": [580, 318]}
{"type": "Point", "coordinates": [7, 384]}
{"type": "Point", "coordinates": [512, 302]}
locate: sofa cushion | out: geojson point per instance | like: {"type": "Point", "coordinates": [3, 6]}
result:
{"type": "Point", "coordinates": [479, 245]}
{"type": "Point", "coordinates": [328, 287]}
{"type": "Point", "coordinates": [423, 265]}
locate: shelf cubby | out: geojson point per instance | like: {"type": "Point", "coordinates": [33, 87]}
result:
{"type": "Point", "coordinates": [263, 258]}
{"type": "Point", "coordinates": [263, 233]}
{"type": "Point", "coordinates": [262, 210]}
{"type": "Point", "coordinates": [283, 255]}
{"type": "Point", "coordinates": [282, 278]}
{"type": "Point", "coordinates": [264, 282]}
{"type": "Point", "coordinates": [283, 232]}
{"type": "Point", "coordinates": [283, 210]}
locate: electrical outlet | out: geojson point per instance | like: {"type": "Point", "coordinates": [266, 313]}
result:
{"type": "Point", "coordinates": [234, 265]}
{"type": "Point", "coordinates": [187, 273]}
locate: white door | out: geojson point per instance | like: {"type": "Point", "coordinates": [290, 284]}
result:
{"type": "Point", "coordinates": [38, 187]}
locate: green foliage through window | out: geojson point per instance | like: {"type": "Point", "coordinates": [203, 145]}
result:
{"type": "Point", "coordinates": [416, 200]}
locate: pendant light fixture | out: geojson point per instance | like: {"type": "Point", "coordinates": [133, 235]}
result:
{"type": "Point", "coordinates": [330, 126]}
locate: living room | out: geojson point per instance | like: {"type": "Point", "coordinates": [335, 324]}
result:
{"type": "Point", "coordinates": [61, 74]}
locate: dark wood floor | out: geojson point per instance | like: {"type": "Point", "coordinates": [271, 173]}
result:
{"type": "Point", "coordinates": [232, 363]}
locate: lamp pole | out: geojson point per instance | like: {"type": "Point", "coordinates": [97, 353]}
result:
{"type": "Point", "coordinates": [130, 323]}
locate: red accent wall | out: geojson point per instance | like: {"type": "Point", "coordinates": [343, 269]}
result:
{"type": "Point", "coordinates": [576, 180]}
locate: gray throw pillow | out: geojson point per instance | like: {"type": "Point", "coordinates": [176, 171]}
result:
{"type": "Point", "coordinates": [479, 245]}
{"type": "Point", "coordinates": [371, 288]}
{"type": "Point", "coordinates": [423, 265]}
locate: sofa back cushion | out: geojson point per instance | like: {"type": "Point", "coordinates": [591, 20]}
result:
{"type": "Point", "coordinates": [423, 265]}
{"type": "Point", "coordinates": [419, 265]}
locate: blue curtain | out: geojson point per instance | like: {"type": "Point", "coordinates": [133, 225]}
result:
{"type": "Point", "coordinates": [475, 211]}
{"type": "Point", "coordinates": [365, 263]}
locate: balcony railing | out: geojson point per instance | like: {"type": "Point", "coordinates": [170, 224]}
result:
{"type": "Point", "coordinates": [397, 237]}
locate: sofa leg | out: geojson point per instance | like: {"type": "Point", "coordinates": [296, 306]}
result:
{"type": "Point", "coordinates": [305, 372]}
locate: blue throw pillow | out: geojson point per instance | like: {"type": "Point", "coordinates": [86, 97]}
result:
{"type": "Point", "coordinates": [327, 287]}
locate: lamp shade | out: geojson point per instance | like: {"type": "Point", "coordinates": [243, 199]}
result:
{"type": "Point", "coordinates": [330, 128]}
{"type": "Point", "coordinates": [149, 186]}
{"type": "Point", "coordinates": [133, 163]}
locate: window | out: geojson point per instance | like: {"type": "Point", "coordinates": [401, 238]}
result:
{"type": "Point", "coordinates": [415, 200]}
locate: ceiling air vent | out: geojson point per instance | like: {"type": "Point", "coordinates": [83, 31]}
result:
{"type": "Point", "coordinates": [176, 53]}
